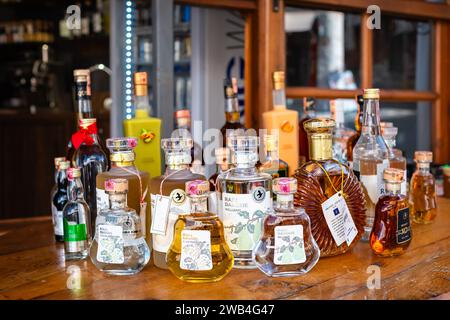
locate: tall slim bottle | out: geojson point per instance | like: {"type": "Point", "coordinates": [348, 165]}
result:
{"type": "Point", "coordinates": [59, 199]}
{"type": "Point", "coordinates": [146, 128]}
{"type": "Point", "coordinates": [351, 143]}
{"type": "Point", "coordinates": [232, 117]}
{"type": "Point", "coordinates": [396, 158]}
{"type": "Point", "coordinates": [309, 105]}
{"type": "Point", "coordinates": [341, 134]}
{"type": "Point", "coordinates": [371, 157]}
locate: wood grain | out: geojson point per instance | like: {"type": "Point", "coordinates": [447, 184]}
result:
{"type": "Point", "coordinates": [33, 267]}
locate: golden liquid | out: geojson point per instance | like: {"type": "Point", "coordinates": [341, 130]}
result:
{"type": "Point", "coordinates": [423, 198]}
{"type": "Point", "coordinates": [221, 255]}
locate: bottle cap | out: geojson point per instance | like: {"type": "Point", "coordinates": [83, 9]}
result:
{"type": "Point", "coordinates": [177, 144]}
{"type": "Point", "coordinates": [308, 102]}
{"type": "Point", "coordinates": [228, 88]}
{"type": "Point", "coordinates": [121, 144]}
{"type": "Point", "coordinates": [245, 149]}
{"type": "Point", "coordinates": [183, 113]}
{"type": "Point", "coordinates": [319, 125]}
{"type": "Point", "coordinates": [223, 155]}
{"type": "Point", "coordinates": [389, 132]}
{"type": "Point", "coordinates": [58, 160]}
{"type": "Point", "coordinates": [73, 173]}
{"type": "Point", "coordinates": [271, 142]}
{"type": "Point", "coordinates": [360, 100]}
{"type": "Point", "coordinates": [140, 78]}
{"type": "Point", "coordinates": [371, 93]}
{"type": "Point", "coordinates": [278, 80]}
{"type": "Point", "coordinates": [393, 175]}
{"type": "Point", "coordinates": [446, 170]}
{"type": "Point", "coordinates": [197, 187]}
{"type": "Point", "coordinates": [81, 74]}
{"type": "Point", "coordinates": [423, 156]}
{"type": "Point", "coordinates": [84, 123]}
{"type": "Point", "coordinates": [64, 165]}
{"type": "Point", "coordinates": [116, 186]}
{"type": "Point", "coordinates": [284, 185]}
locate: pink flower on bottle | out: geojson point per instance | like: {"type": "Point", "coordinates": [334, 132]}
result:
{"type": "Point", "coordinates": [132, 143]}
{"type": "Point", "coordinates": [109, 185]}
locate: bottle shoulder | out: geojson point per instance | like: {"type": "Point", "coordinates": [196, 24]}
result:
{"type": "Point", "coordinates": [371, 146]}
{"type": "Point", "coordinates": [237, 175]}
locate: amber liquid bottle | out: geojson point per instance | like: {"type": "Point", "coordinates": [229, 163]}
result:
{"type": "Point", "coordinates": [351, 143]}
{"type": "Point", "coordinates": [272, 163]}
{"type": "Point", "coordinates": [232, 115]}
{"type": "Point", "coordinates": [391, 232]}
{"type": "Point", "coordinates": [322, 178]}
{"type": "Point", "coordinates": [308, 113]}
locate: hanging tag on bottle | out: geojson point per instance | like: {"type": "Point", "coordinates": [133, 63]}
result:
{"type": "Point", "coordinates": [160, 213]}
{"type": "Point", "coordinates": [212, 203]}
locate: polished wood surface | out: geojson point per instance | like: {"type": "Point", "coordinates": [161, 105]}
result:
{"type": "Point", "coordinates": [33, 267]}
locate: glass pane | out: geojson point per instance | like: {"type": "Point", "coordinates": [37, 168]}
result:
{"type": "Point", "coordinates": [322, 48]}
{"type": "Point", "coordinates": [402, 54]}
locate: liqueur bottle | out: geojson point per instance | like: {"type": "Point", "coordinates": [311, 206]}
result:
{"type": "Point", "coordinates": [396, 158]}
{"type": "Point", "coordinates": [122, 158]}
{"type": "Point", "coordinates": [284, 122]}
{"type": "Point", "coordinates": [272, 164]}
{"type": "Point", "coordinates": [59, 198]}
{"type": "Point", "coordinates": [223, 162]}
{"type": "Point", "coordinates": [287, 247]}
{"type": "Point", "coordinates": [146, 128]}
{"type": "Point", "coordinates": [446, 181]}
{"type": "Point", "coordinates": [371, 157]}
{"type": "Point", "coordinates": [391, 233]}
{"type": "Point", "coordinates": [422, 195]}
{"type": "Point", "coordinates": [199, 252]}
{"type": "Point", "coordinates": [232, 116]}
{"type": "Point", "coordinates": [244, 199]}
{"type": "Point", "coordinates": [341, 134]}
{"type": "Point", "coordinates": [330, 193]}
{"type": "Point", "coordinates": [308, 113]}
{"type": "Point", "coordinates": [351, 143]}
{"type": "Point", "coordinates": [118, 247]}
{"type": "Point", "coordinates": [90, 158]}
{"type": "Point", "coordinates": [76, 219]}
{"type": "Point", "coordinates": [168, 198]}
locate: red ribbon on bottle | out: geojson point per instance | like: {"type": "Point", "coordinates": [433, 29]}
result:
{"type": "Point", "coordinates": [84, 135]}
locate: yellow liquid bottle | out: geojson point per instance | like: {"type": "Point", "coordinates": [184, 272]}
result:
{"type": "Point", "coordinates": [285, 122]}
{"type": "Point", "coordinates": [147, 129]}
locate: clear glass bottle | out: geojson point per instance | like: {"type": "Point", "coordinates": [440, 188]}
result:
{"type": "Point", "coordinates": [245, 198]}
{"type": "Point", "coordinates": [341, 134]}
{"type": "Point", "coordinates": [57, 214]}
{"type": "Point", "coordinates": [396, 158]}
{"type": "Point", "coordinates": [287, 247]}
{"type": "Point", "coordinates": [325, 184]}
{"type": "Point", "coordinates": [422, 196]}
{"type": "Point", "coordinates": [351, 143]}
{"type": "Point", "coordinates": [232, 116]}
{"type": "Point", "coordinates": [371, 157]}
{"type": "Point", "coordinates": [309, 105]}
{"type": "Point", "coordinates": [272, 163]}
{"type": "Point", "coordinates": [199, 252]}
{"type": "Point", "coordinates": [76, 219]}
{"type": "Point", "coordinates": [119, 247]}
{"type": "Point", "coordinates": [391, 232]}
{"type": "Point", "coordinates": [168, 198]}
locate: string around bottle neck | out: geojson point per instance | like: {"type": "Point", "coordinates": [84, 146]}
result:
{"type": "Point", "coordinates": [329, 178]}
{"type": "Point", "coordinates": [143, 194]}
{"type": "Point", "coordinates": [164, 179]}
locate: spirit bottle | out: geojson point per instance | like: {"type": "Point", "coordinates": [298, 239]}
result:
{"type": "Point", "coordinates": [244, 199]}
{"type": "Point", "coordinates": [446, 181]}
{"type": "Point", "coordinates": [272, 164]}
{"type": "Point", "coordinates": [308, 113]}
{"type": "Point", "coordinates": [330, 193]}
{"type": "Point", "coordinates": [283, 122]}
{"type": "Point", "coordinates": [223, 162]}
{"type": "Point", "coordinates": [351, 143]}
{"type": "Point", "coordinates": [118, 247]}
{"type": "Point", "coordinates": [59, 198]}
{"type": "Point", "coordinates": [232, 116]}
{"type": "Point", "coordinates": [422, 195]}
{"type": "Point", "coordinates": [199, 252]}
{"type": "Point", "coordinates": [76, 219]}
{"type": "Point", "coordinates": [396, 158]}
{"type": "Point", "coordinates": [391, 233]}
{"type": "Point", "coordinates": [146, 128]}
{"type": "Point", "coordinates": [91, 159]}
{"type": "Point", "coordinates": [371, 156]}
{"type": "Point", "coordinates": [122, 158]}
{"type": "Point", "coordinates": [341, 134]}
{"type": "Point", "coordinates": [168, 198]}
{"type": "Point", "coordinates": [286, 247]}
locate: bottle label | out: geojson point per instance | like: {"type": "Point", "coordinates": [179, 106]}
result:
{"type": "Point", "coordinates": [243, 216]}
{"type": "Point", "coordinates": [370, 184]}
{"type": "Point", "coordinates": [102, 199]}
{"type": "Point", "coordinates": [380, 180]}
{"type": "Point", "coordinates": [196, 250]}
{"type": "Point", "coordinates": [58, 222]}
{"type": "Point", "coordinates": [74, 232]}
{"type": "Point", "coordinates": [289, 245]}
{"type": "Point", "coordinates": [403, 226]}
{"type": "Point", "coordinates": [403, 187]}
{"type": "Point", "coordinates": [339, 219]}
{"type": "Point", "coordinates": [110, 244]}
{"type": "Point", "coordinates": [212, 202]}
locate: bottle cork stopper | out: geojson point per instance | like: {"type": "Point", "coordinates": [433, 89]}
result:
{"type": "Point", "coordinates": [319, 125]}
{"type": "Point", "coordinates": [177, 143]}
{"type": "Point", "coordinates": [284, 185]}
{"type": "Point", "coordinates": [73, 173]}
{"type": "Point", "coordinates": [278, 79]}
{"type": "Point", "coordinates": [140, 78]}
{"type": "Point", "coordinates": [197, 187]}
{"type": "Point", "coordinates": [423, 156]}
{"type": "Point", "coordinates": [371, 93]}
{"type": "Point", "coordinates": [121, 144]}
{"type": "Point", "coordinates": [116, 185]}
{"type": "Point", "coordinates": [81, 73]}
{"type": "Point", "coordinates": [64, 165]}
{"type": "Point", "coordinates": [58, 160]}
{"type": "Point", "coordinates": [393, 174]}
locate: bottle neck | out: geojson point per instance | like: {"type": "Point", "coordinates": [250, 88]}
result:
{"type": "Point", "coordinates": [223, 167]}
{"type": "Point", "coordinates": [390, 142]}
{"type": "Point", "coordinates": [423, 167]}
{"type": "Point", "coordinates": [320, 146]}
{"type": "Point", "coordinates": [284, 201]}
{"type": "Point", "coordinates": [245, 161]}
{"type": "Point", "coordinates": [232, 117]}
{"type": "Point", "coordinates": [393, 188]}
{"type": "Point", "coordinates": [83, 100]}
{"type": "Point", "coordinates": [371, 117]}
{"type": "Point", "coordinates": [178, 160]}
{"type": "Point", "coordinates": [122, 159]}
{"type": "Point", "coordinates": [279, 99]}
{"type": "Point", "coordinates": [118, 201]}
{"type": "Point", "coordinates": [272, 155]}
{"type": "Point", "coordinates": [75, 190]}
{"type": "Point", "coordinates": [142, 106]}
{"type": "Point", "coordinates": [61, 179]}
{"type": "Point", "coordinates": [199, 204]}
{"type": "Point", "coordinates": [176, 167]}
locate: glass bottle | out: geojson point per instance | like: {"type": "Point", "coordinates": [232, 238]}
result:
{"type": "Point", "coordinates": [168, 198]}
{"type": "Point", "coordinates": [91, 159]}
{"type": "Point", "coordinates": [76, 219]}
{"type": "Point", "coordinates": [422, 196]}
{"type": "Point", "coordinates": [396, 158]}
{"type": "Point", "coordinates": [309, 105]}
{"type": "Point", "coordinates": [199, 252]}
{"type": "Point", "coordinates": [371, 157]}
{"type": "Point", "coordinates": [122, 158]}
{"type": "Point", "coordinates": [341, 134]}
{"type": "Point", "coordinates": [118, 247]}
{"type": "Point", "coordinates": [358, 126]}
{"type": "Point", "coordinates": [244, 198]}
{"type": "Point", "coordinates": [391, 233]}
{"type": "Point", "coordinates": [232, 116]}
{"type": "Point", "coordinates": [59, 198]}
{"type": "Point", "coordinates": [446, 182]}
{"type": "Point", "coordinates": [272, 164]}
{"type": "Point", "coordinates": [223, 162]}
{"type": "Point", "coordinates": [287, 247]}
{"type": "Point", "coordinates": [330, 193]}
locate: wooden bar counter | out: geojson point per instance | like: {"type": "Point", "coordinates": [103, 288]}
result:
{"type": "Point", "coordinates": [32, 266]}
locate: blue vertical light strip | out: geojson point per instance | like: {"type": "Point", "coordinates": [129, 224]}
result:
{"type": "Point", "coordinates": [128, 57]}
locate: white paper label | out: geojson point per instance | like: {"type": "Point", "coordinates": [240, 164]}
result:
{"type": "Point", "coordinates": [160, 213]}
{"type": "Point", "coordinates": [289, 245]}
{"type": "Point", "coordinates": [212, 203]}
{"type": "Point", "coordinates": [370, 183]}
{"type": "Point", "coordinates": [403, 187]}
{"type": "Point", "coordinates": [58, 222]}
{"type": "Point", "coordinates": [102, 199]}
{"type": "Point", "coordinates": [380, 180]}
{"type": "Point", "coordinates": [339, 219]}
{"type": "Point", "coordinates": [196, 250]}
{"type": "Point", "coordinates": [110, 244]}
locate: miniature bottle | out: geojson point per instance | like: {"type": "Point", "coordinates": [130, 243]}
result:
{"type": "Point", "coordinates": [119, 247]}
{"type": "Point", "coordinates": [396, 158]}
{"type": "Point", "coordinates": [168, 198]}
{"type": "Point", "coordinates": [244, 198]}
{"type": "Point", "coordinates": [232, 116]}
{"type": "Point", "coordinates": [341, 134]}
{"type": "Point", "coordinates": [199, 252]}
{"type": "Point", "coordinates": [423, 191]}
{"type": "Point", "coordinates": [272, 163]}
{"type": "Point", "coordinates": [57, 214]}
{"type": "Point", "coordinates": [76, 219]}
{"type": "Point", "coordinates": [287, 247]}
{"type": "Point", "coordinates": [309, 105]}
{"type": "Point", "coordinates": [391, 232]}
{"type": "Point", "coordinates": [330, 193]}
{"type": "Point", "coordinates": [358, 126]}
